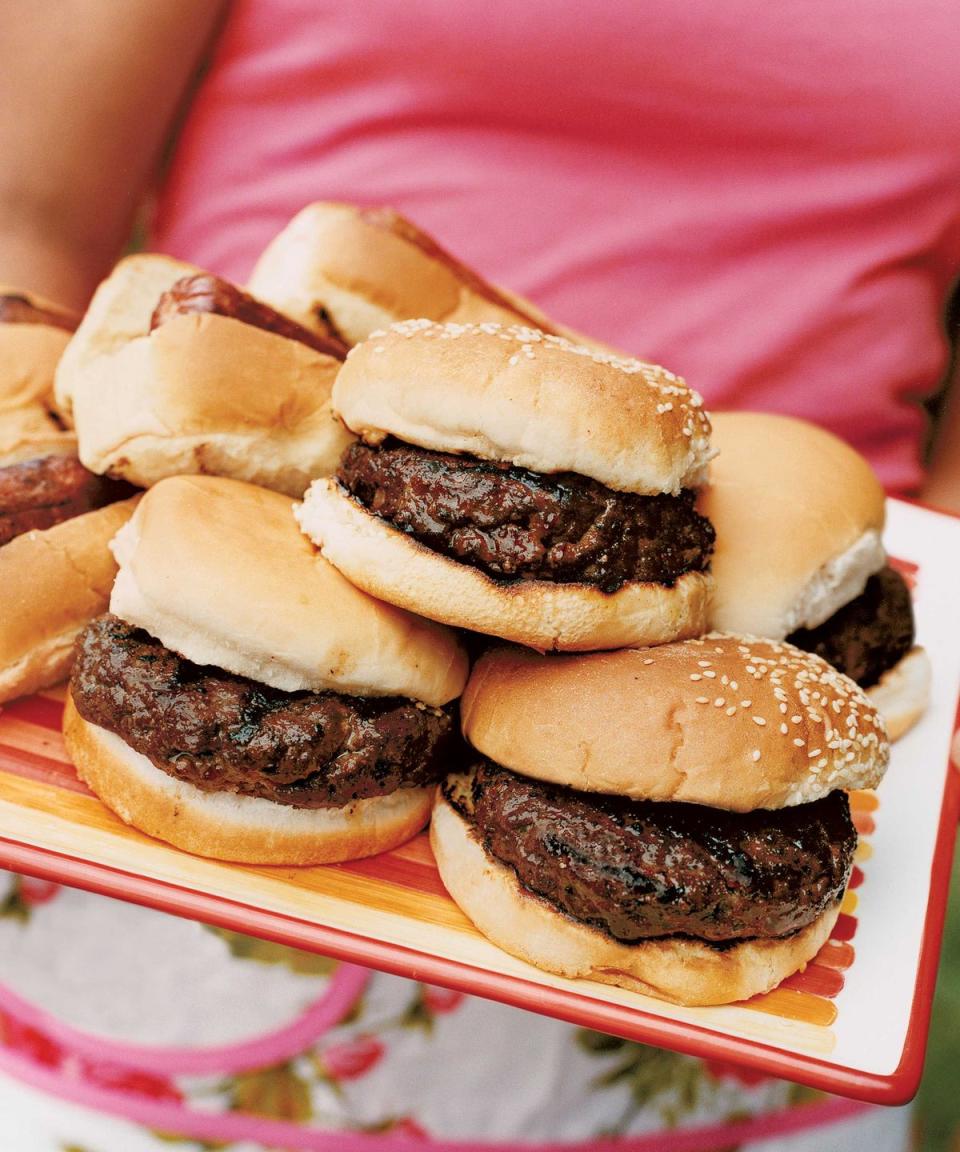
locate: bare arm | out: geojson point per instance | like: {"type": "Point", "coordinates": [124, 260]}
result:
{"type": "Point", "coordinates": [88, 91]}
{"type": "Point", "coordinates": [942, 486]}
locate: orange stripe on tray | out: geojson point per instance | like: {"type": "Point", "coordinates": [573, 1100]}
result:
{"type": "Point", "coordinates": [790, 1004]}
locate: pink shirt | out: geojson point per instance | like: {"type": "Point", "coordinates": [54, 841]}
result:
{"type": "Point", "coordinates": [763, 197]}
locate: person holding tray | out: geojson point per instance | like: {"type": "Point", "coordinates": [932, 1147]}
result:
{"type": "Point", "coordinates": [764, 203]}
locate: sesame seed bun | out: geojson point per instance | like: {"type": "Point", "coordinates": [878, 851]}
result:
{"type": "Point", "coordinates": [536, 401]}
{"type": "Point", "coordinates": [395, 567]}
{"type": "Point", "coordinates": [367, 268]}
{"type": "Point", "coordinates": [227, 826]}
{"type": "Point", "coordinates": [217, 571]}
{"type": "Point", "coordinates": [52, 583]}
{"type": "Point", "coordinates": [798, 515]}
{"type": "Point", "coordinates": [731, 722]}
{"type": "Point", "coordinates": [682, 970]}
{"type": "Point", "coordinates": [200, 393]}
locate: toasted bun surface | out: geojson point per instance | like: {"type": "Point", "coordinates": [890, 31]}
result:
{"type": "Point", "coordinates": [201, 393]}
{"type": "Point", "coordinates": [902, 694]}
{"type": "Point", "coordinates": [726, 721]}
{"type": "Point", "coordinates": [368, 268]}
{"type": "Point", "coordinates": [798, 515]}
{"type": "Point", "coordinates": [218, 572]}
{"type": "Point", "coordinates": [227, 826]}
{"type": "Point", "coordinates": [682, 970]}
{"type": "Point", "coordinates": [53, 582]}
{"type": "Point", "coordinates": [29, 432]}
{"type": "Point", "coordinates": [29, 354]}
{"type": "Point", "coordinates": [536, 401]}
{"type": "Point", "coordinates": [395, 567]}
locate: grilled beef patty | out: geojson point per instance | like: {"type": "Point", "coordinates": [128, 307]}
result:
{"type": "Point", "coordinates": [225, 733]}
{"type": "Point", "coordinates": [515, 524]}
{"type": "Point", "coordinates": [640, 869]}
{"type": "Point", "coordinates": [43, 492]}
{"type": "Point", "coordinates": [204, 293]}
{"type": "Point", "coordinates": [18, 309]}
{"type": "Point", "coordinates": [869, 635]}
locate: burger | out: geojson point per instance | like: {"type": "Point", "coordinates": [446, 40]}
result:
{"type": "Point", "coordinates": [175, 371]}
{"type": "Point", "coordinates": [799, 555]}
{"type": "Point", "coordinates": [673, 820]}
{"type": "Point", "coordinates": [361, 269]}
{"type": "Point", "coordinates": [510, 482]}
{"type": "Point", "coordinates": [242, 701]}
{"type": "Point", "coordinates": [33, 335]}
{"type": "Point", "coordinates": [55, 517]}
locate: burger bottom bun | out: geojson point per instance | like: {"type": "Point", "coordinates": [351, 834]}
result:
{"type": "Point", "coordinates": [683, 971]}
{"type": "Point", "coordinates": [52, 583]}
{"type": "Point", "coordinates": [226, 826]}
{"type": "Point", "coordinates": [397, 568]}
{"type": "Point", "coordinates": [902, 693]}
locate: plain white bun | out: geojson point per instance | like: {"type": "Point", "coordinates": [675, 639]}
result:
{"type": "Point", "coordinates": [684, 971]}
{"type": "Point", "coordinates": [536, 401]}
{"type": "Point", "coordinates": [798, 515]}
{"type": "Point", "coordinates": [29, 432]}
{"type": "Point", "coordinates": [395, 567]}
{"type": "Point", "coordinates": [227, 826]}
{"type": "Point", "coordinates": [53, 582]}
{"type": "Point", "coordinates": [217, 571]}
{"type": "Point", "coordinates": [727, 721]}
{"type": "Point", "coordinates": [902, 694]}
{"type": "Point", "coordinates": [367, 268]}
{"type": "Point", "coordinates": [199, 394]}
{"type": "Point", "coordinates": [29, 353]}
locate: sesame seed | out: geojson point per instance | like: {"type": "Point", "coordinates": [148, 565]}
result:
{"type": "Point", "coordinates": [703, 699]}
{"type": "Point", "coordinates": [784, 729]}
{"type": "Point", "coordinates": [799, 743]}
{"type": "Point", "coordinates": [732, 711]}
{"type": "Point", "coordinates": [710, 675]}
{"type": "Point", "coordinates": [783, 707]}
{"type": "Point", "coordinates": [822, 762]}
{"type": "Point", "coordinates": [755, 755]}
{"type": "Point", "coordinates": [746, 703]}
{"type": "Point", "coordinates": [719, 702]}
{"type": "Point", "coordinates": [695, 676]}
{"type": "Point", "coordinates": [795, 719]}
{"type": "Point", "coordinates": [759, 720]}
{"type": "Point", "coordinates": [703, 663]}
{"type": "Point", "coordinates": [648, 660]}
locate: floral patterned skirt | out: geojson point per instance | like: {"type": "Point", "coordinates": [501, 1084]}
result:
{"type": "Point", "coordinates": [126, 1030]}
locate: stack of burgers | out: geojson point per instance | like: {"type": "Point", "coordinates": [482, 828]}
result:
{"type": "Point", "coordinates": [638, 799]}
{"type": "Point", "coordinates": [670, 814]}
{"type": "Point", "coordinates": [56, 517]}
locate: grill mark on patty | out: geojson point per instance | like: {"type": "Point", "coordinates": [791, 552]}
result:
{"type": "Point", "coordinates": [226, 733]}
{"type": "Point", "coordinates": [203, 293]}
{"type": "Point", "coordinates": [18, 309]}
{"type": "Point", "coordinates": [514, 524]}
{"type": "Point", "coordinates": [38, 494]}
{"type": "Point", "coordinates": [869, 635]}
{"type": "Point", "coordinates": [638, 870]}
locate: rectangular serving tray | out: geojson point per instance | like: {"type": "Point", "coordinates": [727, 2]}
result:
{"type": "Point", "coordinates": [854, 1022]}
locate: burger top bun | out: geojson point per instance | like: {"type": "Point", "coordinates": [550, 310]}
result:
{"type": "Point", "coordinates": [537, 401]}
{"type": "Point", "coordinates": [200, 393]}
{"type": "Point", "coordinates": [727, 721]}
{"type": "Point", "coordinates": [369, 267]}
{"type": "Point", "coordinates": [218, 571]}
{"type": "Point", "coordinates": [29, 432]}
{"type": "Point", "coordinates": [798, 515]}
{"type": "Point", "coordinates": [29, 352]}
